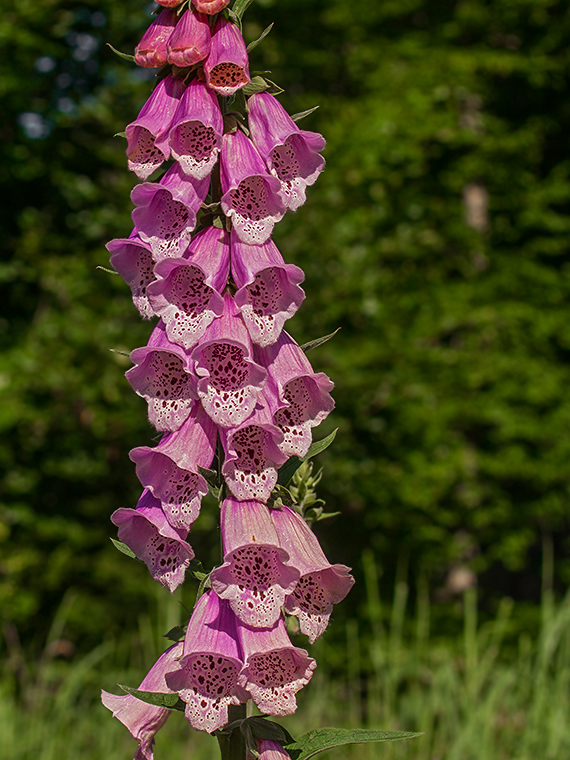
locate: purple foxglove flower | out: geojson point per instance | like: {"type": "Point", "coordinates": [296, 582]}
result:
{"type": "Point", "coordinates": [187, 295]}
{"type": "Point", "coordinates": [305, 399]}
{"type": "Point", "coordinates": [268, 288]}
{"type": "Point", "coordinates": [147, 136]}
{"type": "Point", "coordinates": [144, 720]}
{"type": "Point", "coordinates": [170, 470]}
{"type": "Point", "coordinates": [147, 532]}
{"type": "Point", "coordinates": [274, 670]}
{"type": "Point", "coordinates": [169, 3]}
{"type": "Point", "coordinates": [227, 68]}
{"type": "Point", "coordinates": [151, 50]}
{"type": "Point", "coordinates": [207, 679]}
{"type": "Point", "coordinates": [162, 376]}
{"type": "Point", "coordinates": [252, 453]}
{"type": "Point", "coordinates": [292, 154]}
{"type": "Point", "coordinates": [132, 259]}
{"type": "Point", "coordinates": [229, 380]}
{"type": "Point", "coordinates": [165, 212]}
{"type": "Point", "coordinates": [268, 750]}
{"type": "Point", "coordinates": [210, 6]}
{"type": "Point", "coordinates": [256, 575]}
{"type": "Point", "coordinates": [196, 133]}
{"type": "Point", "coordinates": [190, 41]}
{"type": "Point", "coordinates": [321, 584]}
{"type": "Point", "coordinates": [251, 196]}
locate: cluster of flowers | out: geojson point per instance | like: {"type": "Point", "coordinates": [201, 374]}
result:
{"type": "Point", "coordinates": [219, 365]}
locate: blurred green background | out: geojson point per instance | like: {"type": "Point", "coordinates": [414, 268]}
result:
{"type": "Point", "coordinates": [437, 239]}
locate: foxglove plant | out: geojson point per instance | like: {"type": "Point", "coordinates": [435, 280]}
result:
{"type": "Point", "coordinates": [234, 396]}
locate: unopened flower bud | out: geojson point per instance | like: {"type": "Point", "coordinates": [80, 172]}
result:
{"type": "Point", "coordinates": [151, 50]}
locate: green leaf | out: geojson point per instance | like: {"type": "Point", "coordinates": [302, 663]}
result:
{"type": "Point", "coordinates": [124, 56]}
{"type": "Point", "coordinates": [312, 743]}
{"type": "Point", "coordinates": [263, 34]}
{"type": "Point", "coordinates": [175, 634]}
{"type": "Point", "coordinates": [318, 446]}
{"type": "Point", "coordinates": [240, 7]}
{"type": "Point", "coordinates": [197, 570]}
{"type": "Point", "coordinates": [301, 115]}
{"type": "Point", "coordinates": [210, 476]}
{"type": "Point", "coordinates": [123, 548]}
{"type": "Point", "coordinates": [318, 341]}
{"type": "Point", "coordinates": [120, 134]}
{"type": "Point", "coordinates": [109, 271]}
{"type": "Point", "coordinates": [156, 698]}
{"type": "Point", "coordinates": [267, 729]}
{"type": "Point", "coordinates": [291, 466]}
{"type": "Point", "coordinates": [257, 84]}
{"type": "Point", "coordinates": [121, 353]}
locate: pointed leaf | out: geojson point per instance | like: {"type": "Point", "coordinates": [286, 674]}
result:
{"type": "Point", "coordinates": [123, 548]}
{"type": "Point", "coordinates": [156, 698]}
{"type": "Point", "coordinates": [124, 56]}
{"type": "Point", "coordinates": [120, 134]}
{"type": "Point", "coordinates": [240, 7]}
{"type": "Point", "coordinates": [287, 470]}
{"type": "Point", "coordinates": [109, 271]}
{"type": "Point", "coordinates": [257, 84]}
{"type": "Point", "coordinates": [121, 353]}
{"type": "Point", "coordinates": [301, 115]}
{"type": "Point", "coordinates": [263, 34]}
{"type": "Point", "coordinates": [197, 570]}
{"type": "Point", "coordinates": [318, 446]}
{"type": "Point", "coordinates": [318, 341]}
{"type": "Point", "coordinates": [268, 730]}
{"type": "Point", "coordinates": [175, 634]}
{"type": "Point", "coordinates": [311, 744]}
{"type": "Point", "coordinates": [210, 476]}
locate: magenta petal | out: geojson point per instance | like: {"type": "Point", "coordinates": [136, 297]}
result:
{"type": "Point", "coordinates": [321, 584]}
{"type": "Point", "coordinates": [227, 68]}
{"type": "Point", "coordinates": [141, 719]}
{"type": "Point", "coordinates": [132, 259]}
{"type": "Point", "coordinates": [151, 50]}
{"type": "Point", "coordinates": [196, 134]}
{"type": "Point", "coordinates": [147, 136]}
{"type": "Point", "coordinates": [207, 679]}
{"type": "Point", "coordinates": [255, 576]}
{"type": "Point", "coordinates": [269, 750]}
{"type": "Point", "coordinates": [274, 670]}
{"type": "Point", "coordinates": [147, 532]}
{"type": "Point", "coordinates": [269, 292]}
{"type": "Point", "coordinates": [190, 41]}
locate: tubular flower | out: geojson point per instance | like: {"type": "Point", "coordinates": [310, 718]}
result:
{"type": "Point", "coordinates": [141, 719]}
{"type": "Point", "coordinates": [165, 212]}
{"type": "Point", "coordinates": [147, 136]}
{"type": "Point", "coordinates": [161, 375]}
{"type": "Point", "coordinates": [147, 532]}
{"type": "Point", "coordinates": [210, 6]}
{"type": "Point", "coordinates": [207, 679]}
{"type": "Point", "coordinates": [227, 68]}
{"type": "Point", "coordinates": [132, 259]}
{"type": "Point", "coordinates": [229, 380]}
{"type": "Point", "coordinates": [321, 584]}
{"type": "Point", "coordinates": [256, 574]}
{"type": "Point", "coordinates": [190, 41]}
{"type": "Point", "coordinates": [251, 196]}
{"type": "Point", "coordinates": [304, 395]}
{"type": "Point", "coordinates": [268, 288]}
{"type": "Point", "coordinates": [274, 670]}
{"type": "Point", "coordinates": [170, 470]}
{"type": "Point", "coordinates": [292, 154]}
{"type": "Point", "coordinates": [269, 750]}
{"type": "Point", "coordinates": [196, 134]}
{"type": "Point", "coordinates": [151, 50]}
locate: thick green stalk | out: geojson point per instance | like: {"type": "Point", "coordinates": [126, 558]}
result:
{"type": "Point", "coordinates": [233, 747]}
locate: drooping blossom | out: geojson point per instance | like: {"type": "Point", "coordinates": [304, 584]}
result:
{"type": "Point", "coordinates": [132, 259]}
{"type": "Point", "coordinates": [229, 380]}
{"type": "Point", "coordinates": [305, 399]}
{"type": "Point", "coordinates": [187, 295]}
{"type": "Point", "coordinates": [141, 719]}
{"type": "Point", "coordinates": [162, 376]}
{"type": "Point", "coordinates": [169, 3]}
{"type": "Point", "coordinates": [196, 134]}
{"type": "Point", "coordinates": [270, 750]}
{"type": "Point", "coordinates": [268, 288]}
{"type": "Point", "coordinates": [190, 41]}
{"type": "Point", "coordinates": [227, 68]}
{"type": "Point", "coordinates": [292, 154]}
{"type": "Point", "coordinates": [251, 196]}
{"type": "Point", "coordinates": [151, 50]}
{"type": "Point", "coordinates": [321, 584]}
{"type": "Point", "coordinates": [207, 677]}
{"type": "Point", "coordinates": [274, 670]}
{"type": "Point", "coordinates": [209, 6]}
{"type": "Point", "coordinates": [170, 470]}
{"type": "Point", "coordinates": [256, 574]}
{"type": "Point", "coordinates": [147, 532]}
{"type": "Point", "coordinates": [147, 135]}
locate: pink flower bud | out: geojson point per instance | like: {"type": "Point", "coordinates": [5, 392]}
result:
{"type": "Point", "coordinates": [151, 50]}
{"type": "Point", "coordinates": [208, 6]}
{"type": "Point", "coordinates": [226, 69]}
{"type": "Point", "coordinates": [190, 41]}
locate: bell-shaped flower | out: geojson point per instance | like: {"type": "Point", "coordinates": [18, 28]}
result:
{"type": "Point", "coordinates": [141, 719]}
{"type": "Point", "coordinates": [162, 376]}
{"type": "Point", "coordinates": [251, 196]}
{"type": "Point", "coordinates": [151, 50]}
{"type": "Point", "coordinates": [187, 294]}
{"type": "Point", "coordinates": [292, 154]}
{"type": "Point", "coordinates": [169, 3]}
{"type": "Point", "coordinates": [147, 532]}
{"type": "Point", "coordinates": [256, 574]}
{"type": "Point", "coordinates": [252, 452]}
{"type": "Point", "coordinates": [165, 212]}
{"type": "Point", "coordinates": [229, 380]}
{"type": "Point", "coordinates": [227, 68]}
{"type": "Point", "coordinates": [268, 288]}
{"type": "Point", "coordinates": [274, 670]}
{"type": "Point", "coordinates": [207, 677]}
{"type": "Point", "coordinates": [147, 135]}
{"type": "Point", "coordinates": [196, 133]}
{"type": "Point", "coordinates": [190, 41]}
{"type": "Point", "coordinates": [321, 584]}
{"type": "Point", "coordinates": [209, 6]}
{"type": "Point", "coordinates": [132, 259]}
{"type": "Point", "coordinates": [270, 750]}
{"type": "Point", "coordinates": [304, 395]}
{"type": "Point", "coordinates": [170, 470]}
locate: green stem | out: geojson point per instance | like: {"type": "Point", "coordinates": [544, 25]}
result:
{"type": "Point", "coordinates": [233, 747]}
